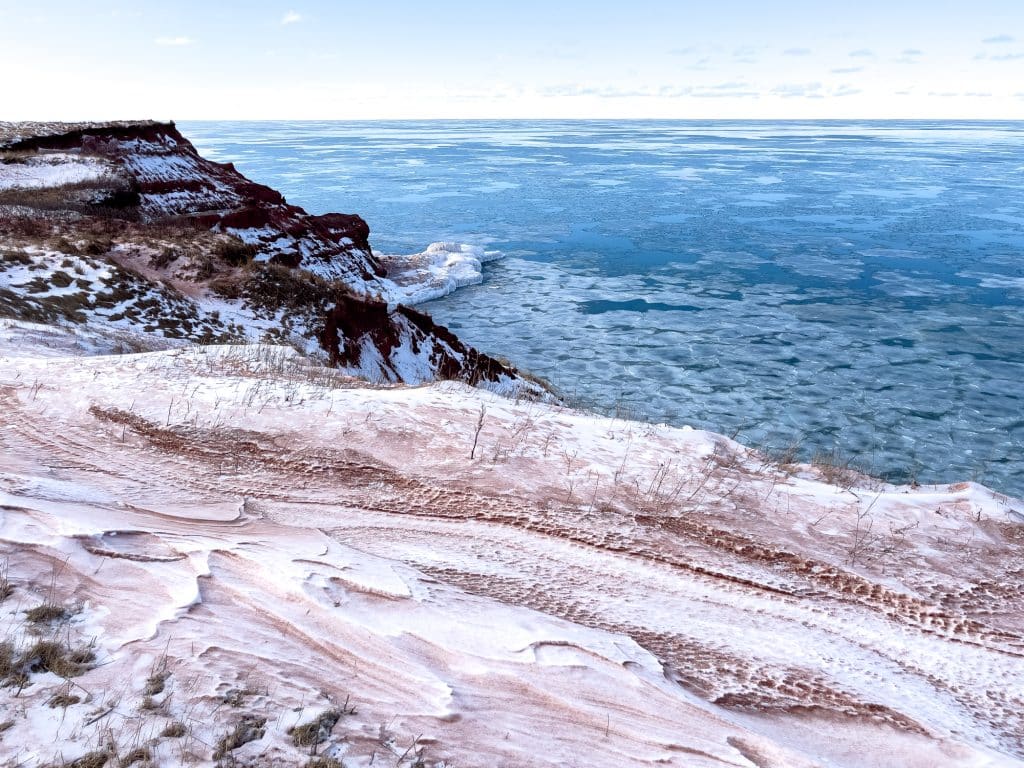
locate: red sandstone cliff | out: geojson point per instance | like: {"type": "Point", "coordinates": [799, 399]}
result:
{"type": "Point", "coordinates": [183, 229]}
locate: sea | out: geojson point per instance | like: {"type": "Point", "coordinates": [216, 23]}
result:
{"type": "Point", "coordinates": [852, 290]}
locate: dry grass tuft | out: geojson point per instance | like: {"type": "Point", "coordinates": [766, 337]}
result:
{"type": "Point", "coordinates": [324, 762]}
{"type": "Point", "coordinates": [7, 660]}
{"type": "Point", "coordinates": [96, 759]}
{"type": "Point", "coordinates": [837, 470]}
{"type": "Point", "coordinates": [316, 732]}
{"type": "Point", "coordinates": [63, 701]}
{"type": "Point", "coordinates": [47, 613]}
{"type": "Point", "coordinates": [174, 731]}
{"type": "Point", "coordinates": [6, 588]}
{"type": "Point", "coordinates": [52, 656]}
{"type": "Point", "coordinates": [137, 755]}
{"type": "Point", "coordinates": [249, 728]}
{"type": "Point", "coordinates": [235, 252]}
{"type": "Point", "coordinates": [155, 683]}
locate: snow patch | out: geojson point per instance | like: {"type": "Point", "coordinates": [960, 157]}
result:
{"type": "Point", "coordinates": [51, 170]}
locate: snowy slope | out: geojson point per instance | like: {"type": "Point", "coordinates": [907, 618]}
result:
{"type": "Point", "coordinates": [276, 539]}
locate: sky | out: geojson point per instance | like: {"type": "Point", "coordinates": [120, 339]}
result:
{"type": "Point", "coordinates": [381, 59]}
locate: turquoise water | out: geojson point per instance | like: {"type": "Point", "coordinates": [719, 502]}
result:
{"type": "Point", "coordinates": [847, 285]}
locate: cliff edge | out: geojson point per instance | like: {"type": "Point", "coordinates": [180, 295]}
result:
{"type": "Point", "coordinates": [124, 230]}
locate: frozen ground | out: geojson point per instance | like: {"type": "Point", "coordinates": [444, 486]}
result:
{"type": "Point", "coordinates": [52, 170]}
{"type": "Point", "coordinates": [244, 542]}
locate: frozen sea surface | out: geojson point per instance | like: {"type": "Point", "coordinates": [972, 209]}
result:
{"type": "Point", "coordinates": [855, 286]}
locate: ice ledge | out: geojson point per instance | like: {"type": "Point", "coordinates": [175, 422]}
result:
{"type": "Point", "coordinates": [435, 272]}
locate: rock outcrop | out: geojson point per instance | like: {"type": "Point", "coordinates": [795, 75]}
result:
{"type": "Point", "coordinates": [167, 178]}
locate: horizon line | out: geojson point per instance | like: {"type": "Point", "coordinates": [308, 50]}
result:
{"type": "Point", "coordinates": [524, 119]}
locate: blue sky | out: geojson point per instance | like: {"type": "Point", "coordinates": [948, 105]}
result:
{"type": "Point", "coordinates": [528, 59]}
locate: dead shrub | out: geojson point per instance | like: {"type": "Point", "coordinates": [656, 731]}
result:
{"type": "Point", "coordinates": [235, 252]}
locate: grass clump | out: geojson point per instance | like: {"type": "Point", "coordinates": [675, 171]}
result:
{"type": "Point", "coordinates": [155, 683]}
{"type": "Point", "coordinates": [137, 755]}
{"type": "Point", "coordinates": [235, 252]}
{"type": "Point", "coordinates": [317, 731]}
{"type": "Point", "coordinates": [270, 287]}
{"type": "Point", "coordinates": [324, 762]}
{"type": "Point", "coordinates": [46, 613]}
{"type": "Point", "coordinates": [96, 759]}
{"type": "Point", "coordinates": [44, 656]}
{"type": "Point", "coordinates": [837, 470]}
{"type": "Point", "coordinates": [249, 728]}
{"type": "Point", "coordinates": [63, 701]}
{"type": "Point", "coordinates": [12, 672]}
{"type": "Point", "coordinates": [174, 730]}
{"type": "Point", "coordinates": [6, 588]}
{"type": "Point", "coordinates": [7, 659]}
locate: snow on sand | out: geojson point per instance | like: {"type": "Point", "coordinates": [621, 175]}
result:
{"type": "Point", "coordinates": [270, 541]}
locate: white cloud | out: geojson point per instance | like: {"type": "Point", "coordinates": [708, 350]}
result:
{"type": "Point", "coordinates": [574, 90]}
{"type": "Point", "coordinates": [862, 53]}
{"type": "Point", "coordinates": [291, 17]}
{"type": "Point", "coordinates": [846, 70]}
{"type": "Point", "coordinates": [798, 90]}
{"type": "Point", "coordinates": [174, 42]}
{"type": "Point", "coordinates": [998, 39]}
{"type": "Point", "coordinates": [797, 52]}
{"type": "Point", "coordinates": [737, 89]}
{"type": "Point", "coordinates": [846, 90]}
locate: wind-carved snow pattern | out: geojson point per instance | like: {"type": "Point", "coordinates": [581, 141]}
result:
{"type": "Point", "coordinates": [271, 539]}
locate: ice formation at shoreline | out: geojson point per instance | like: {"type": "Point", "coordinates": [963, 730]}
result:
{"type": "Point", "coordinates": [440, 269]}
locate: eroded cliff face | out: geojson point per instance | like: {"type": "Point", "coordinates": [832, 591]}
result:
{"type": "Point", "coordinates": [127, 225]}
{"type": "Point", "coordinates": [164, 177]}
